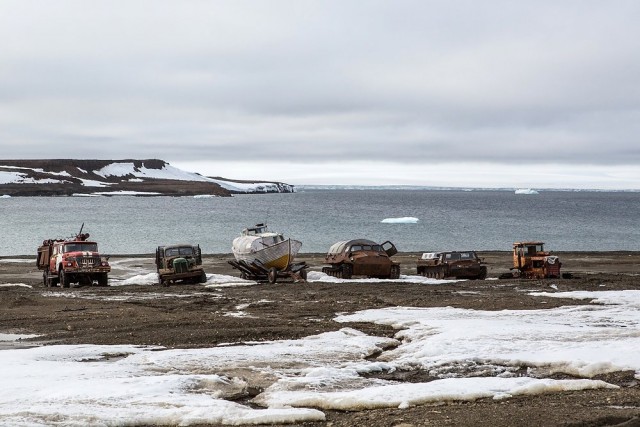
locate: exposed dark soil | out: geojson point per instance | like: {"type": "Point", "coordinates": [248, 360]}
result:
{"type": "Point", "coordinates": [125, 315]}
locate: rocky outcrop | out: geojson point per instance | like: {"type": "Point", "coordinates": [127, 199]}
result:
{"type": "Point", "coordinates": [151, 177]}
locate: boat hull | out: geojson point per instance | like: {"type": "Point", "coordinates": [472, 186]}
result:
{"type": "Point", "coordinates": [278, 256]}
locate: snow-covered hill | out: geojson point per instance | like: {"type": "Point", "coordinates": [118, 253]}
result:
{"type": "Point", "coordinates": [118, 177]}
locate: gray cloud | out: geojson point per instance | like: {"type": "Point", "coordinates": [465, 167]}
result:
{"type": "Point", "coordinates": [410, 81]}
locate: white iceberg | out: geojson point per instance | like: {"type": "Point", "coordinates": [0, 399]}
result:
{"type": "Point", "coordinates": [402, 220]}
{"type": "Point", "coordinates": [526, 191]}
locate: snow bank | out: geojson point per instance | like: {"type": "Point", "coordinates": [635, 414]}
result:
{"type": "Point", "coordinates": [411, 394]}
{"type": "Point", "coordinates": [126, 193]}
{"type": "Point", "coordinates": [402, 220]}
{"type": "Point", "coordinates": [167, 172]}
{"type": "Point", "coordinates": [317, 276]}
{"type": "Point", "coordinates": [140, 279]}
{"type": "Point", "coordinates": [125, 385]}
{"type": "Point", "coordinates": [16, 337]}
{"type": "Point", "coordinates": [5, 196]}
{"type": "Point", "coordinates": [627, 298]}
{"type": "Point", "coordinates": [213, 280]}
{"type": "Point", "coordinates": [21, 178]}
{"type": "Point", "coordinates": [221, 280]}
{"type": "Point", "coordinates": [578, 340]}
{"type": "Point", "coordinates": [15, 285]}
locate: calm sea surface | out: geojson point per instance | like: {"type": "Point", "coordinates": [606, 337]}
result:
{"type": "Point", "coordinates": [482, 220]}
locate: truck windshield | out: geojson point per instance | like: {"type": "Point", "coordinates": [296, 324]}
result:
{"type": "Point", "coordinates": [184, 251]}
{"type": "Point", "coordinates": [81, 247]}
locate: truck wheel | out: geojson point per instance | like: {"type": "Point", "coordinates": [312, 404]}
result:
{"type": "Point", "coordinates": [483, 273]}
{"type": "Point", "coordinates": [272, 276]}
{"type": "Point", "coordinates": [45, 279]}
{"type": "Point", "coordinates": [303, 274]}
{"type": "Point", "coordinates": [103, 279]}
{"type": "Point", "coordinates": [203, 277]}
{"type": "Point", "coordinates": [64, 280]}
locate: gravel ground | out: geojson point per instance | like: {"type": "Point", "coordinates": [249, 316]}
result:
{"type": "Point", "coordinates": [192, 316]}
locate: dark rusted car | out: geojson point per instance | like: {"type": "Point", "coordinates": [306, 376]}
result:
{"type": "Point", "coordinates": [361, 257]}
{"type": "Point", "coordinates": [458, 264]}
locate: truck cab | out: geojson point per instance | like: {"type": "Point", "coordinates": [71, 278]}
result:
{"type": "Point", "coordinates": [179, 263]}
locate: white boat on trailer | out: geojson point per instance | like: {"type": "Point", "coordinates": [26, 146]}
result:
{"type": "Point", "coordinates": [260, 253]}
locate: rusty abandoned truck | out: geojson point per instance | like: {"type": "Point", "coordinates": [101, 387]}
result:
{"type": "Point", "coordinates": [531, 261]}
{"type": "Point", "coordinates": [179, 263]}
{"type": "Point", "coordinates": [74, 260]}
{"type": "Point", "coordinates": [456, 264]}
{"type": "Point", "coordinates": [361, 257]}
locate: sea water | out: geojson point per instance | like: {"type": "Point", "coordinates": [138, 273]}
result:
{"type": "Point", "coordinates": [480, 220]}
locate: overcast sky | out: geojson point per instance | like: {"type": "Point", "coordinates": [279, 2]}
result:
{"type": "Point", "coordinates": [541, 93]}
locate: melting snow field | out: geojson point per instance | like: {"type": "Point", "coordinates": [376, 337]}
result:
{"type": "Point", "coordinates": [470, 354]}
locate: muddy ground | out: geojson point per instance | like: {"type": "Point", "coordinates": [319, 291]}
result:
{"type": "Point", "coordinates": [195, 317]}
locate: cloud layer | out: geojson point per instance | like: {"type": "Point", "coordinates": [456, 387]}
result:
{"type": "Point", "coordinates": [414, 82]}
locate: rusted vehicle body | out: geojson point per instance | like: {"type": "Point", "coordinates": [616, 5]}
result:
{"type": "Point", "coordinates": [453, 264]}
{"type": "Point", "coordinates": [531, 261]}
{"type": "Point", "coordinates": [361, 257]}
{"type": "Point", "coordinates": [179, 264]}
{"type": "Point", "coordinates": [74, 260]}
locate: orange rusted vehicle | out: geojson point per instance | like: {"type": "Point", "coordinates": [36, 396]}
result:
{"type": "Point", "coordinates": [361, 257]}
{"type": "Point", "coordinates": [531, 261]}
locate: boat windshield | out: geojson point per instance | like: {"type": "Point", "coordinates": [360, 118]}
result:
{"type": "Point", "coordinates": [272, 240]}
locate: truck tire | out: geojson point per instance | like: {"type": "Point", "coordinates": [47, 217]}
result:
{"type": "Point", "coordinates": [103, 279]}
{"type": "Point", "coordinates": [64, 280]}
{"type": "Point", "coordinates": [483, 273]}
{"type": "Point", "coordinates": [203, 277]}
{"type": "Point", "coordinates": [45, 279]}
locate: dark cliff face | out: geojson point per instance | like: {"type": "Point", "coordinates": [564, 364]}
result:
{"type": "Point", "coordinates": [148, 177]}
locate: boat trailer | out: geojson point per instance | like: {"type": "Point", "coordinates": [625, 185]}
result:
{"type": "Point", "coordinates": [259, 272]}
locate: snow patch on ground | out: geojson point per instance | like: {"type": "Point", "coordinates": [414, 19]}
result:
{"type": "Point", "coordinates": [16, 337]}
{"type": "Point", "coordinates": [15, 285]}
{"type": "Point", "coordinates": [317, 276]}
{"type": "Point", "coordinates": [579, 340]}
{"type": "Point", "coordinates": [127, 193]}
{"type": "Point", "coordinates": [126, 385]}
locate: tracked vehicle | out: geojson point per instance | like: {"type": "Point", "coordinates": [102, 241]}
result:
{"type": "Point", "coordinates": [455, 264]}
{"type": "Point", "coordinates": [361, 257]}
{"type": "Point", "coordinates": [531, 261]}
